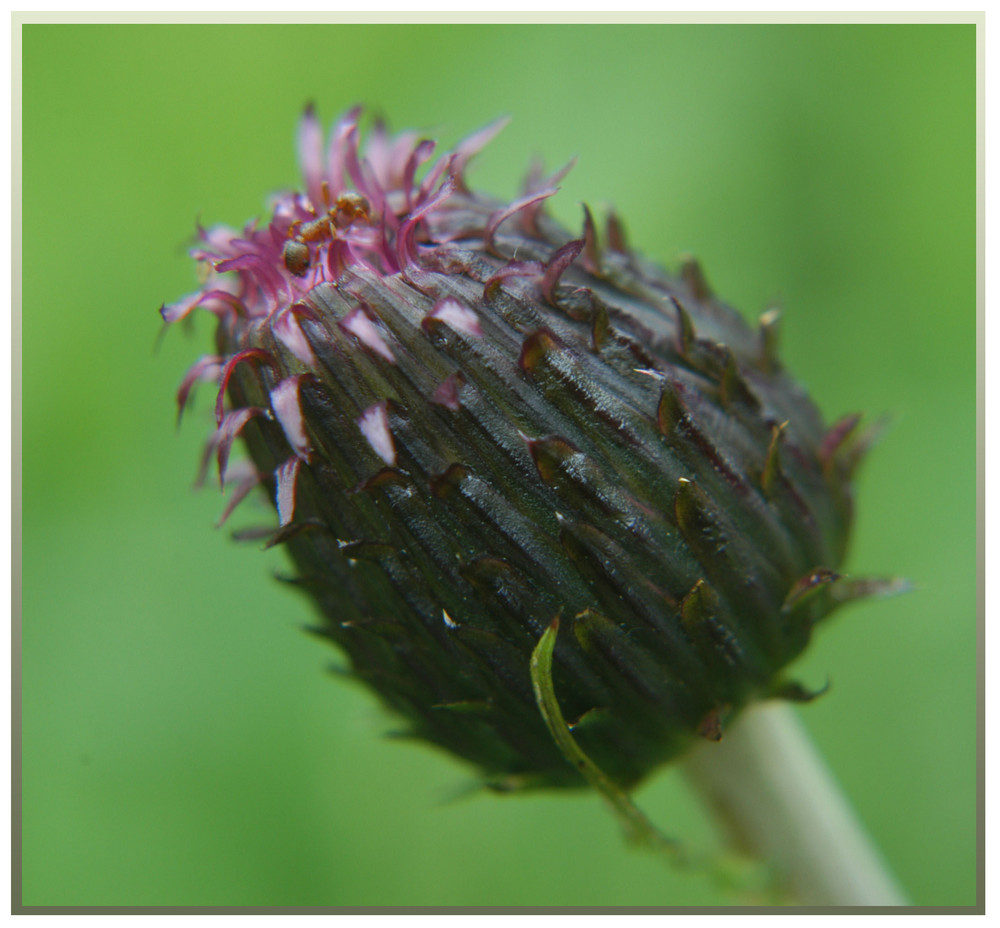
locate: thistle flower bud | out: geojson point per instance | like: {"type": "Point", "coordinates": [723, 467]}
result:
{"type": "Point", "coordinates": [473, 422]}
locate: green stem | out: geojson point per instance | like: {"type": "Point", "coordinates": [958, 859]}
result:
{"type": "Point", "coordinates": [778, 801]}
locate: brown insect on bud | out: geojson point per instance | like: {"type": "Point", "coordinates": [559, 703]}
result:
{"type": "Point", "coordinates": [295, 254]}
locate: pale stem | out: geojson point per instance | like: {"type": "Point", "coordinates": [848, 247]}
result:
{"type": "Point", "coordinates": [778, 801]}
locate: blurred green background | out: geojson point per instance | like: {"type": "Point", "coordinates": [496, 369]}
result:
{"type": "Point", "coordinates": [182, 744]}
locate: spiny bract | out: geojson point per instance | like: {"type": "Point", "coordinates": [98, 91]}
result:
{"type": "Point", "coordinates": [472, 423]}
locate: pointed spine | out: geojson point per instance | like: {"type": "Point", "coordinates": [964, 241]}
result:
{"type": "Point", "coordinates": [772, 463]}
{"type": "Point", "coordinates": [685, 328]}
{"type": "Point", "coordinates": [733, 388]}
{"type": "Point", "coordinates": [769, 330]}
{"type": "Point", "coordinates": [591, 259]}
{"type": "Point", "coordinates": [694, 277]}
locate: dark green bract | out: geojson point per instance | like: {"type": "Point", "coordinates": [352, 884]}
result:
{"type": "Point", "coordinates": [473, 423]}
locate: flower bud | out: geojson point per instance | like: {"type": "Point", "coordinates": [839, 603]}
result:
{"type": "Point", "coordinates": [472, 423]}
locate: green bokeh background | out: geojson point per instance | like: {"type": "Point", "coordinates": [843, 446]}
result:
{"type": "Point", "coordinates": [182, 744]}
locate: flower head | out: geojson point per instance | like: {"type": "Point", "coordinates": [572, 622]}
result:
{"type": "Point", "coordinates": [472, 422]}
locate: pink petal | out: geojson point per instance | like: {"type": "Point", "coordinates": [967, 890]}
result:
{"type": "Point", "coordinates": [513, 269]}
{"type": "Point", "coordinates": [227, 299]}
{"type": "Point", "coordinates": [289, 332]}
{"type": "Point", "coordinates": [442, 165]}
{"type": "Point", "coordinates": [561, 260]}
{"type": "Point", "coordinates": [378, 153]}
{"type": "Point", "coordinates": [284, 492]}
{"type": "Point", "coordinates": [338, 141]}
{"type": "Point", "coordinates": [447, 392]}
{"type": "Point", "coordinates": [239, 471]}
{"type": "Point", "coordinates": [534, 179]}
{"type": "Point", "coordinates": [529, 215]}
{"type": "Point", "coordinates": [251, 354]}
{"type": "Point", "coordinates": [240, 493]}
{"type": "Point", "coordinates": [173, 311]}
{"type": "Point", "coordinates": [461, 318]}
{"type": "Point", "coordinates": [405, 246]}
{"type": "Point", "coordinates": [229, 428]}
{"type": "Point", "coordinates": [472, 145]}
{"type": "Point", "coordinates": [215, 301]}
{"type": "Point", "coordinates": [374, 425]}
{"type": "Point", "coordinates": [217, 238]}
{"type": "Point", "coordinates": [286, 403]}
{"type": "Point", "coordinates": [419, 155]}
{"type": "Point", "coordinates": [264, 275]}
{"type": "Point", "coordinates": [365, 181]}
{"type": "Point", "coordinates": [357, 323]}
{"type": "Point", "coordinates": [494, 222]}
{"type": "Point", "coordinates": [207, 367]}
{"type": "Point", "coordinates": [205, 461]}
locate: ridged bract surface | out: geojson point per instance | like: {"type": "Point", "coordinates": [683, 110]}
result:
{"type": "Point", "coordinates": [472, 422]}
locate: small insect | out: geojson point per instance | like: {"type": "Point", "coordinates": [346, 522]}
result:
{"type": "Point", "coordinates": [351, 206]}
{"type": "Point", "coordinates": [296, 252]}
